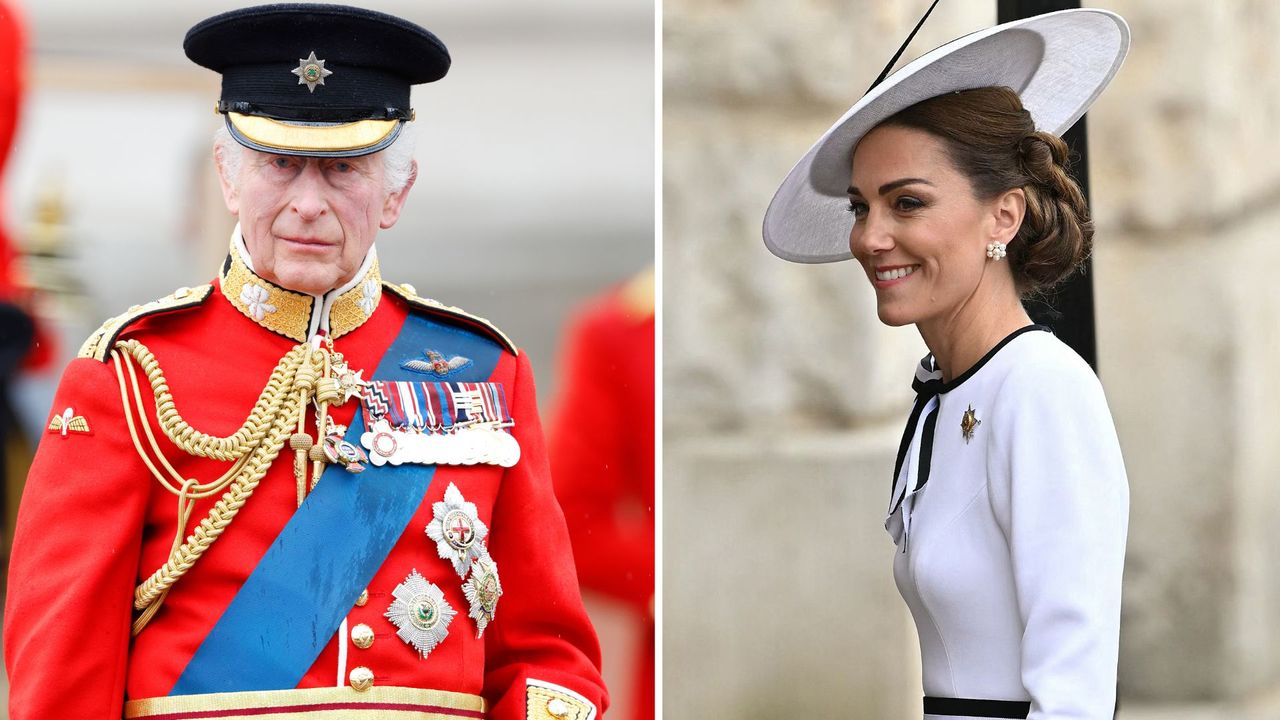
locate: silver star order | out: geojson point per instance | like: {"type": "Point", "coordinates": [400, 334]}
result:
{"type": "Point", "coordinates": [311, 72]}
{"type": "Point", "coordinates": [483, 590]}
{"type": "Point", "coordinates": [420, 613]}
{"type": "Point", "coordinates": [457, 530]}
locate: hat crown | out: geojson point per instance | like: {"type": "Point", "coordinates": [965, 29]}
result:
{"type": "Point", "coordinates": [314, 64]}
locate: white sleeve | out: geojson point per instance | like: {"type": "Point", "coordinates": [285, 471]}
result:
{"type": "Point", "coordinates": [1060, 494]}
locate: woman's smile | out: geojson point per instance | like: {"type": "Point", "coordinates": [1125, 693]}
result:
{"type": "Point", "coordinates": [888, 275]}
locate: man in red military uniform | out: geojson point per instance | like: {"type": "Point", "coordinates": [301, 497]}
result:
{"type": "Point", "coordinates": [299, 490]}
{"type": "Point", "coordinates": [602, 456]}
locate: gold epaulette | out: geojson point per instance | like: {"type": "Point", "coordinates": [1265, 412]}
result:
{"type": "Point", "coordinates": [99, 343]}
{"type": "Point", "coordinates": [405, 292]}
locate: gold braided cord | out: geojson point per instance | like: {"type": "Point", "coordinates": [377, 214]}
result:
{"type": "Point", "coordinates": [280, 409]}
{"type": "Point", "coordinates": [183, 487]}
{"type": "Point", "coordinates": [227, 448]}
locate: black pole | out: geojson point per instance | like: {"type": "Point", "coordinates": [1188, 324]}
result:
{"type": "Point", "coordinates": [1068, 309]}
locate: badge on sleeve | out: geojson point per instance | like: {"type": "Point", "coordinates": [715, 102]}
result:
{"type": "Point", "coordinates": [420, 613]}
{"type": "Point", "coordinates": [457, 530]}
{"type": "Point", "coordinates": [69, 422]}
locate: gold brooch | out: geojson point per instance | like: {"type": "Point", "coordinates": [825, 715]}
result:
{"type": "Point", "coordinates": [969, 423]}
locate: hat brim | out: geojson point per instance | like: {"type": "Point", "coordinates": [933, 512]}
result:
{"type": "Point", "coordinates": [351, 139]}
{"type": "Point", "coordinates": [1058, 63]}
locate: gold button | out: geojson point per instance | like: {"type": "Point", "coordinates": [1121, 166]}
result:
{"type": "Point", "coordinates": [362, 636]}
{"type": "Point", "coordinates": [361, 678]}
{"type": "Point", "coordinates": [364, 598]}
{"type": "Point", "coordinates": [557, 707]}
{"type": "Point", "coordinates": [408, 288]}
{"type": "Point", "coordinates": [181, 292]}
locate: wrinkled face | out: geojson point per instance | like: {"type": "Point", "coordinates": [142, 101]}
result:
{"type": "Point", "coordinates": [309, 222]}
{"type": "Point", "coordinates": [919, 232]}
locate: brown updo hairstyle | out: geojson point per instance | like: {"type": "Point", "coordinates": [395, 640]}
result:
{"type": "Point", "coordinates": [992, 140]}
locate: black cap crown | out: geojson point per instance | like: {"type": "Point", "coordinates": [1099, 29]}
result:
{"type": "Point", "coordinates": [315, 79]}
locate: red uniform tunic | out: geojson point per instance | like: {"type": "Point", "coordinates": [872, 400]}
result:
{"type": "Point", "coordinates": [93, 523]}
{"type": "Point", "coordinates": [602, 454]}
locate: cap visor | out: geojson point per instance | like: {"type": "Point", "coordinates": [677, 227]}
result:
{"type": "Point", "coordinates": [312, 139]}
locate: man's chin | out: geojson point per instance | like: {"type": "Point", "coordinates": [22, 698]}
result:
{"type": "Point", "coordinates": [305, 280]}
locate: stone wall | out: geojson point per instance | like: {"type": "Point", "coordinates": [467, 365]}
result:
{"type": "Point", "coordinates": [783, 394]}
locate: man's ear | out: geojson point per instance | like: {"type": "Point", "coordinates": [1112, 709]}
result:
{"type": "Point", "coordinates": [230, 185]}
{"type": "Point", "coordinates": [395, 201]}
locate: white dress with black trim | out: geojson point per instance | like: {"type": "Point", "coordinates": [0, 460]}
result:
{"type": "Point", "coordinates": [1010, 511]}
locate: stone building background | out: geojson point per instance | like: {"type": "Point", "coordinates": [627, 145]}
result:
{"type": "Point", "coordinates": [784, 397]}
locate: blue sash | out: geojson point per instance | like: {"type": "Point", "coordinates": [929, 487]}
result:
{"type": "Point", "coordinates": [310, 577]}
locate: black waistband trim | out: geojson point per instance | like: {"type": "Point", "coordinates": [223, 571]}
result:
{"type": "Point", "coordinates": [967, 707]}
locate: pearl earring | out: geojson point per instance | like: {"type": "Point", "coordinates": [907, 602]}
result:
{"type": "Point", "coordinates": [995, 250]}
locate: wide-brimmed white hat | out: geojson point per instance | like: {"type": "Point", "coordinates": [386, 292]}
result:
{"type": "Point", "coordinates": [1058, 63]}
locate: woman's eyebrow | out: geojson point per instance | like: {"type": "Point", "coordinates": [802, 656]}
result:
{"type": "Point", "coordinates": [891, 186]}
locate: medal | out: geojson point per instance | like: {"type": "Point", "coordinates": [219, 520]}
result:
{"type": "Point", "coordinates": [483, 590]}
{"type": "Point", "coordinates": [457, 530]}
{"type": "Point", "coordinates": [437, 423]}
{"type": "Point", "coordinates": [420, 613]}
{"type": "Point", "coordinates": [341, 452]}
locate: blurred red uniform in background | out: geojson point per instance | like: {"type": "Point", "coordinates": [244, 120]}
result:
{"type": "Point", "coordinates": [602, 459]}
{"type": "Point", "coordinates": [13, 48]}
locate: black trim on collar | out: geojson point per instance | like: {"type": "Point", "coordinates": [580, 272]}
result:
{"type": "Point", "coordinates": [939, 387]}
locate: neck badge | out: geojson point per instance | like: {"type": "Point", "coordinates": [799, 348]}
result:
{"type": "Point", "coordinates": [457, 530]}
{"type": "Point", "coordinates": [483, 590]}
{"type": "Point", "coordinates": [311, 72]}
{"type": "Point", "coordinates": [420, 613]}
{"type": "Point", "coordinates": [968, 424]}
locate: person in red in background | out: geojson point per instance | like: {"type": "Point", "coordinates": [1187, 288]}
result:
{"type": "Point", "coordinates": [16, 319]}
{"type": "Point", "coordinates": [601, 448]}
{"type": "Point", "coordinates": [12, 67]}
{"type": "Point", "coordinates": [22, 341]}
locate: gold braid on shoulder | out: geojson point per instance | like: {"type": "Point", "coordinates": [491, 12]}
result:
{"type": "Point", "coordinates": [304, 374]}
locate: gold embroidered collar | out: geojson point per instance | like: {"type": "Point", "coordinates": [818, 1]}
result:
{"type": "Point", "coordinates": [295, 315]}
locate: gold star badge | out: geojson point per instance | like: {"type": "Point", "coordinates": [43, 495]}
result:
{"type": "Point", "coordinates": [969, 423]}
{"type": "Point", "coordinates": [311, 72]}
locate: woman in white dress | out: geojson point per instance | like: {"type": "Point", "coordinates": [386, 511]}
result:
{"type": "Point", "coordinates": [1010, 502]}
